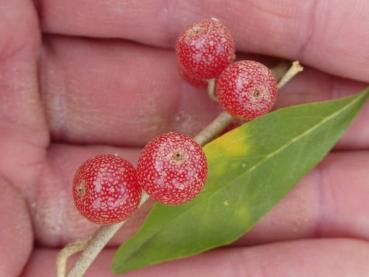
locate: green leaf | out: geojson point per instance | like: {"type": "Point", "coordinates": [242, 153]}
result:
{"type": "Point", "coordinates": [250, 169]}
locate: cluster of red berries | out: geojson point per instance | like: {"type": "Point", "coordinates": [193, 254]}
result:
{"type": "Point", "coordinates": [172, 169]}
{"type": "Point", "coordinates": [245, 89]}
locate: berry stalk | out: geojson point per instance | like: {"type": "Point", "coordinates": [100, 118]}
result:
{"type": "Point", "coordinates": [211, 90]}
{"type": "Point", "coordinates": [91, 248]}
{"type": "Point", "coordinates": [295, 69]}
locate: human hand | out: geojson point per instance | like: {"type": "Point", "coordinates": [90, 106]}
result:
{"type": "Point", "coordinates": [93, 94]}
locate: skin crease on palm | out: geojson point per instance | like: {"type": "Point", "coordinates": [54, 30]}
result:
{"type": "Point", "coordinates": [81, 77]}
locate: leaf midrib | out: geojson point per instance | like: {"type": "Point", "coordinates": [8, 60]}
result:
{"type": "Point", "coordinates": [292, 141]}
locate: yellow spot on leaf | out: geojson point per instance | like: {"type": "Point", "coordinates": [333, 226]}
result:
{"type": "Point", "coordinates": [234, 145]}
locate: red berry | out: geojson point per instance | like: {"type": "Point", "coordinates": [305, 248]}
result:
{"type": "Point", "coordinates": [105, 189]}
{"type": "Point", "coordinates": [172, 168]}
{"type": "Point", "coordinates": [246, 89]}
{"type": "Point", "coordinates": [205, 49]}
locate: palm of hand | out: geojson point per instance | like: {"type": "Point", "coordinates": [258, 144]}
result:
{"type": "Point", "coordinates": [96, 93]}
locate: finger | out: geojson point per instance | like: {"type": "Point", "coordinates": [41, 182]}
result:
{"type": "Point", "coordinates": [16, 238]}
{"type": "Point", "coordinates": [23, 129]}
{"type": "Point", "coordinates": [328, 202]}
{"type": "Point", "coordinates": [124, 94]}
{"type": "Point", "coordinates": [320, 258]}
{"type": "Point", "coordinates": [19, 101]}
{"type": "Point", "coordinates": [322, 204]}
{"type": "Point", "coordinates": [330, 35]}
{"type": "Point", "coordinates": [117, 93]}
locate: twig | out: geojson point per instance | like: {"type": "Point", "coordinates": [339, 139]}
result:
{"type": "Point", "coordinates": [215, 128]}
{"type": "Point", "coordinates": [92, 247]}
{"type": "Point", "coordinates": [211, 90]}
{"type": "Point", "coordinates": [292, 72]}
{"type": "Point", "coordinates": [96, 244]}
{"type": "Point", "coordinates": [281, 69]}
{"type": "Point", "coordinates": [66, 252]}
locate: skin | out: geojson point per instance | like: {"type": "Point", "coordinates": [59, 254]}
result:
{"type": "Point", "coordinates": [67, 98]}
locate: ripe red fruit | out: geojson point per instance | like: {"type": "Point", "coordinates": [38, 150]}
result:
{"type": "Point", "coordinates": [246, 89]}
{"type": "Point", "coordinates": [205, 49]}
{"type": "Point", "coordinates": [172, 168]}
{"type": "Point", "coordinates": [105, 189]}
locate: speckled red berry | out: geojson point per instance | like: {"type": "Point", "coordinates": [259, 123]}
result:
{"type": "Point", "coordinates": [205, 49]}
{"type": "Point", "coordinates": [246, 89]}
{"type": "Point", "coordinates": [105, 189]}
{"type": "Point", "coordinates": [172, 168]}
